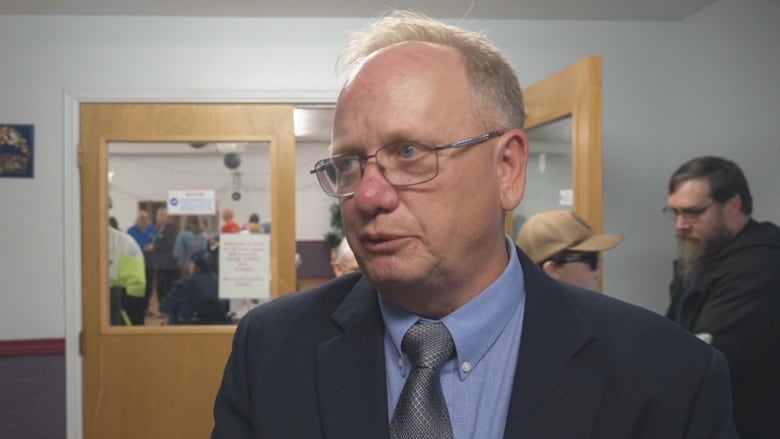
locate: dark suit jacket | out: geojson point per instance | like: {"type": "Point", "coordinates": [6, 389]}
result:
{"type": "Point", "coordinates": [311, 365]}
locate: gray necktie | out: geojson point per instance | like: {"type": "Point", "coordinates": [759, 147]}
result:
{"type": "Point", "coordinates": [421, 411]}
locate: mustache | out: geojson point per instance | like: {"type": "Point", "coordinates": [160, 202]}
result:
{"type": "Point", "coordinates": [687, 236]}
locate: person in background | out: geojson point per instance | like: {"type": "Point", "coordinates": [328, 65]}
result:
{"type": "Point", "coordinates": [448, 320]}
{"type": "Point", "coordinates": [726, 286]}
{"type": "Point", "coordinates": [253, 219]}
{"type": "Point", "coordinates": [229, 225]}
{"type": "Point", "coordinates": [194, 299]}
{"type": "Point", "coordinates": [343, 259]}
{"type": "Point", "coordinates": [565, 247]}
{"type": "Point", "coordinates": [165, 264]}
{"type": "Point", "coordinates": [145, 234]}
{"type": "Point", "coordinates": [191, 239]}
{"type": "Point", "coordinates": [253, 228]}
{"type": "Point", "coordinates": [126, 278]}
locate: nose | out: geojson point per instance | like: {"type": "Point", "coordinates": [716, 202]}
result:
{"type": "Point", "coordinates": [680, 223]}
{"type": "Point", "coordinates": [374, 193]}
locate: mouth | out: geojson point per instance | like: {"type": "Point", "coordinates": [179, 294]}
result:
{"type": "Point", "coordinates": [382, 243]}
{"type": "Point", "coordinates": [687, 237]}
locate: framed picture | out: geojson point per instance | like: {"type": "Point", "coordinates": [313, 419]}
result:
{"type": "Point", "coordinates": [16, 150]}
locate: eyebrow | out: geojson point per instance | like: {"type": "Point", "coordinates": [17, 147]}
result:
{"type": "Point", "coordinates": [394, 138]}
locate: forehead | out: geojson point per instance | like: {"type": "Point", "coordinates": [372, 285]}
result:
{"type": "Point", "coordinates": [396, 89]}
{"type": "Point", "coordinates": [690, 193]}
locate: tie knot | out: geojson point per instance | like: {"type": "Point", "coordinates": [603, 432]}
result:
{"type": "Point", "coordinates": [428, 345]}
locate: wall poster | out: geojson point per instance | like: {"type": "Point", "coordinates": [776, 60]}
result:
{"type": "Point", "coordinates": [16, 150]}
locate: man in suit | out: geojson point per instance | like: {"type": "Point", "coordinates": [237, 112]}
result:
{"type": "Point", "coordinates": [428, 156]}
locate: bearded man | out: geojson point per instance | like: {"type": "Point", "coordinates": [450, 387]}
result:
{"type": "Point", "coordinates": [726, 287]}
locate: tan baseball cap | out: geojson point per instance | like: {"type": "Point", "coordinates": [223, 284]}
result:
{"type": "Point", "coordinates": [547, 233]}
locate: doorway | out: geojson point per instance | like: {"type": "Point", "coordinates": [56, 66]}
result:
{"type": "Point", "coordinates": [143, 381]}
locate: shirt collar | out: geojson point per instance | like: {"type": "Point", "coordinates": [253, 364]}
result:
{"type": "Point", "coordinates": [476, 325]}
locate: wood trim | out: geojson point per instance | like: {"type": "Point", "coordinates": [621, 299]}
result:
{"type": "Point", "coordinates": [576, 91]}
{"type": "Point", "coordinates": [41, 346]}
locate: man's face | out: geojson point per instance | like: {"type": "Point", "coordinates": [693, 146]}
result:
{"type": "Point", "coordinates": [582, 273]}
{"type": "Point", "coordinates": [436, 236]}
{"type": "Point", "coordinates": [142, 220]}
{"type": "Point", "coordinates": [701, 233]}
{"type": "Point", "coordinates": [161, 217]}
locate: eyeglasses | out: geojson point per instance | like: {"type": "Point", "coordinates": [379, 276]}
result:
{"type": "Point", "coordinates": [590, 258]}
{"type": "Point", "coordinates": [402, 164]}
{"type": "Point", "coordinates": [690, 214]}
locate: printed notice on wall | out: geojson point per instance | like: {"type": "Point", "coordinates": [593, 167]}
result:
{"type": "Point", "coordinates": [244, 266]}
{"type": "Point", "coordinates": [566, 197]}
{"type": "Point", "coordinates": [191, 203]}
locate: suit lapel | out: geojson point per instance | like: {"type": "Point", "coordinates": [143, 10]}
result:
{"type": "Point", "coordinates": [553, 396]}
{"type": "Point", "coordinates": [351, 389]}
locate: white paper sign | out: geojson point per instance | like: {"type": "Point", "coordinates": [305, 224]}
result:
{"type": "Point", "coordinates": [191, 202]}
{"type": "Point", "coordinates": [566, 197]}
{"type": "Point", "coordinates": [244, 266]}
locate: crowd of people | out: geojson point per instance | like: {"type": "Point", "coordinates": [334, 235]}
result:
{"type": "Point", "coordinates": [160, 259]}
{"type": "Point", "coordinates": [449, 329]}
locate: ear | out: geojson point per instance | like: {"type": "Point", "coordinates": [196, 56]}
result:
{"type": "Point", "coordinates": [552, 269]}
{"type": "Point", "coordinates": [734, 204]}
{"type": "Point", "coordinates": [512, 162]}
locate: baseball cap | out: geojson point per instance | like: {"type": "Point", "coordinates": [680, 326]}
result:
{"type": "Point", "coordinates": [547, 233]}
{"type": "Point", "coordinates": [203, 260]}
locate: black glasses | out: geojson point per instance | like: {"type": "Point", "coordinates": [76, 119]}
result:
{"type": "Point", "coordinates": [402, 164]}
{"type": "Point", "coordinates": [689, 214]}
{"type": "Point", "coordinates": [590, 258]}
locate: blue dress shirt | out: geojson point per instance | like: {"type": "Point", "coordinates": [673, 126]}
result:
{"type": "Point", "coordinates": [477, 385]}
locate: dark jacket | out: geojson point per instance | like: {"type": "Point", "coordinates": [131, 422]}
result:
{"type": "Point", "coordinates": [163, 248]}
{"type": "Point", "coordinates": [311, 365]}
{"type": "Point", "coordinates": [736, 300]}
{"type": "Point", "coordinates": [195, 300]}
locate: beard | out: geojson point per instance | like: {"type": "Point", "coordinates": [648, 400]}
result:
{"type": "Point", "coordinates": [696, 247]}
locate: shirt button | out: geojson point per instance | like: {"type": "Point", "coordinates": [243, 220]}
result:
{"type": "Point", "coordinates": [401, 362]}
{"type": "Point", "coordinates": [466, 366]}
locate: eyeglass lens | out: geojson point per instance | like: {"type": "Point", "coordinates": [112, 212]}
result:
{"type": "Point", "coordinates": [688, 214]}
{"type": "Point", "coordinates": [403, 164]}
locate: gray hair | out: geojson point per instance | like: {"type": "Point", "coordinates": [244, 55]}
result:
{"type": "Point", "coordinates": [495, 86]}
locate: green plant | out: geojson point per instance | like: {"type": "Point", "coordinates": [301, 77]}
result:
{"type": "Point", "coordinates": [336, 232]}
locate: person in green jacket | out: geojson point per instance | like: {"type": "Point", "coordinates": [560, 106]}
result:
{"type": "Point", "coordinates": [126, 277]}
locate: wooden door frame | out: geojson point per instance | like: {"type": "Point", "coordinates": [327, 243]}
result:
{"type": "Point", "coordinates": [577, 91]}
{"type": "Point", "coordinates": [72, 100]}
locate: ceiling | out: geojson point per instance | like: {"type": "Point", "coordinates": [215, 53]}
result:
{"type": "Point", "coordinates": [663, 10]}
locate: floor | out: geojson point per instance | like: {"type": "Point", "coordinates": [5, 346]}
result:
{"type": "Point", "coordinates": [153, 317]}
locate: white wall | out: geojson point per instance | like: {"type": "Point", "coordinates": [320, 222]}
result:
{"type": "Point", "coordinates": [671, 90]}
{"type": "Point", "coordinates": [718, 96]}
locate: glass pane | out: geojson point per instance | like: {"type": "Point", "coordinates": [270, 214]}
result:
{"type": "Point", "coordinates": [550, 170]}
{"type": "Point", "coordinates": [206, 190]}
